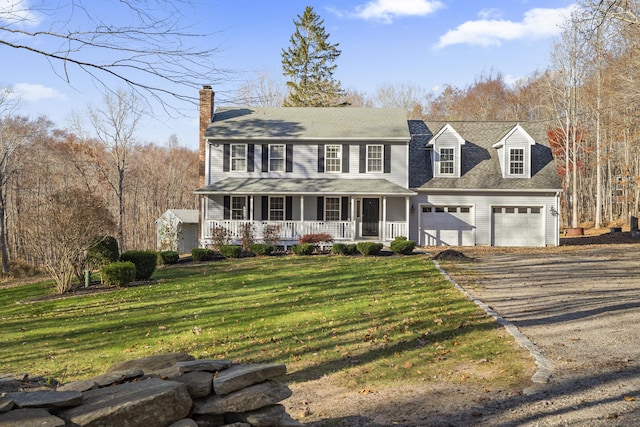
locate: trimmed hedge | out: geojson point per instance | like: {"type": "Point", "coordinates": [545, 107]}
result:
{"type": "Point", "coordinates": [231, 251]}
{"type": "Point", "coordinates": [104, 251]}
{"type": "Point", "coordinates": [402, 246]}
{"type": "Point", "coordinates": [261, 249]}
{"type": "Point", "coordinates": [202, 254]}
{"type": "Point", "coordinates": [145, 262]}
{"type": "Point", "coordinates": [119, 273]}
{"type": "Point", "coordinates": [303, 249]}
{"type": "Point", "coordinates": [344, 249]}
{"type": "Point", "coordinates": [369, 248]}
{"type": "Point", "coordinates": [168, 257]}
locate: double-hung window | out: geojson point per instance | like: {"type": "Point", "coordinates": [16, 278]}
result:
{"type": "Point", "coordinates": [276, 158]}
{"type": "Point", "coordinates": [516, 161]}
{"type": "Point", "coordinates": [238, 158]}
{"type": "Point", "coordinates": [333, 158]}
{"type": "Point", "coordinates": [447, 166]}
{"type": "Point", "coordinates": [276, 208]}
{"type": "Point", "coordinates": [374, 158]}
{"type": "Point", "coordinates": [332, 209]}
{"type": "Point", "coordinates": [238, 207]}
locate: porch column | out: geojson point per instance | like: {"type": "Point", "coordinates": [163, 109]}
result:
{"type": "Point", "coordinates": [301, 215]}
{"type": "Point", "coordinates": [251, 208]}
{"type": "Point", "coordinates": [407, 212]}
{"type": "Point", "coordinates": [352, 200]}
{"type": "Point", "coordinates": [384, 218]}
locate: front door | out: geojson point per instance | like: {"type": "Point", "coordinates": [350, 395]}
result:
{"type": "Point", "coordinates": [370, 217]}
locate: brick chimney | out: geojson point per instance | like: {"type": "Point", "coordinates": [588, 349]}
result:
{"type": "Point", "coordinates": [206, 115]}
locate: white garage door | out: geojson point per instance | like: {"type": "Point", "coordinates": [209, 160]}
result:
{"type": "Point", "coordinates": [447, 225]}
{"type": "Point", "coordinates": [517, 226]}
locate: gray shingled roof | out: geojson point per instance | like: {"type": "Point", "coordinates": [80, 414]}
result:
{"type": "Point", "coordinates": [186, 216]}
{"type": "Point", "coordinates": [323, 186]}
{"type": "Point", "coordinates": [480, 164]}
{"type": "Point", "coordinates": [309, 123]}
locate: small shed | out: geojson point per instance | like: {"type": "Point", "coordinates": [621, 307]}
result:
{"type": "Point", "coordinates": [177, 230]}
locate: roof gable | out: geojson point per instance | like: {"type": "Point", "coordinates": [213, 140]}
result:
{"type": "Point", "coordinates": [446, 134]}
{"type": "Point", "coordinates": [516, 132]}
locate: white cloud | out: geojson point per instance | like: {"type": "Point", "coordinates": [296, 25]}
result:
{"type": "Point", "coordinates": [18, 12]}
{"type": "Point", "coordinates": [537, 23]}
{"type": "Point", "coordinates": [386, 10]}
{"type": "Point", "coordinates": [35, 92]}
{"type": "Point", "coordinates": [490, 13]}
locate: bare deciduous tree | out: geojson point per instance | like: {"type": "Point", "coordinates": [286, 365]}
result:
{"type": "Point", "coordinates": [114, 124]}
{"type": "Point", "coordinates": [152, 51]}
{"type": "Point", "coordinates": [72, 219]}
{"type": "Point", "coordinates": [263, 91]}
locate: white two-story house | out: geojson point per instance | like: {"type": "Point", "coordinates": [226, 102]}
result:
{"type": "Point", "coordinates": [369, 174]}
{"type": "Point", "coordinates": [339, 171]}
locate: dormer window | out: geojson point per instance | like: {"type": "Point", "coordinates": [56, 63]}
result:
{"type": "Point", "coordinates": [446, 156]}
{"type": "Point", "coordinates": [447, 161]}
{"type": "Point", "coordinates": [514, 153]}
{"type": "Point", "coordinates": [516, 161]}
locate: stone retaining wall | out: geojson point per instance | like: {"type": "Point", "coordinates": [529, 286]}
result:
{"type": "Point", "coordinates": [173, 390]}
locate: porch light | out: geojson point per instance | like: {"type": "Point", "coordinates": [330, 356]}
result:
{"type": "Point", "coordinates": [413, 208]}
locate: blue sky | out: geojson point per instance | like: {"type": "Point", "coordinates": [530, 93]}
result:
{"type": "Point", "coordinates": [426, 43]}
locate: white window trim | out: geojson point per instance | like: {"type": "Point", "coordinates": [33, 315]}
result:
{"type": "Point", "coordinates": [381, 148]}
{"type": "Point", "coordinates": [339, 158]}
{"type": "Point", "coordinates": [511, 162]}
{"type": "Point", "coordinates": [326, 199]}
{"type": "Point", "coordinates": [284, 208]}
{"type": "Point", "coordinates": [244, 207]}
{"type": "Point", "coordinates": [232, 167]}
{"type": "Point", "coordinates": [452, 161]}
{"type": "Point", "coordinates": [283, 158]}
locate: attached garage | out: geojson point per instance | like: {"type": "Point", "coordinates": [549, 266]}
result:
{"type": "Point", "coordinates": [447, 225]}
{"type": "Point", "coordinates": [517, 226]}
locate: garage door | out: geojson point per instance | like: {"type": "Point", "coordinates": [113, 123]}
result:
{"type": "Point", "coordinates": [517, 226]}
{"type": "Point", "coordinates": [447, 225]}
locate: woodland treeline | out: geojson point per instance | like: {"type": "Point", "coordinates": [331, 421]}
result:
{"type": "Point", "coordinates": [588, 97]}
{"type": "Point", "coordinates": [109, 177]}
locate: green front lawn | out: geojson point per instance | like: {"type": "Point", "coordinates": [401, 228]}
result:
{"type": "Point", "coordinates": [361, 319]}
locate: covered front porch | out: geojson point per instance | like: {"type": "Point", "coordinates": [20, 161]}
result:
{"type": "Point", "coordinates": [359, 210]}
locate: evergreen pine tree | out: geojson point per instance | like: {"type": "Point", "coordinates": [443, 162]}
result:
{"type": "Point", "coordinates": [309, 63]}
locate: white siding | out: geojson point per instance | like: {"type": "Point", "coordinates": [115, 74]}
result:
{"type": "Point", "coordinates": [483, 203]}
{"type": "Point", "coordinates": [305, 164]}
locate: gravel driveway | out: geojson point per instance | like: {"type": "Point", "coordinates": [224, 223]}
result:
{"type": "Point", "coordinates": [580, 306]}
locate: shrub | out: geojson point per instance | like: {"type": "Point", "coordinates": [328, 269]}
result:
{"type": "Point", "coordinates": [247, 233]}
{"type": "Point", "coordinates": [20, 268]}
{"type": "Point", "coordinates": [202, 254]}
{"type": "Point", "coordinates": [261, 249]}
{"type": "Point", "coordinates": [369, 248]}
{"type": "Point", "coordinates": [231, 251]}
{"type": "Point", "coordinates": [315, 238]}
{"type": "Point", "coordinates": [271, 234]}
{"type": "Point", "coordinates": [145, 262]}
{"type": "Point", "coordinates": [103, 252]}
{"type": "Point", "coordinates": [339, 249]}
{"type": "Point", "coordinates": [220, 236]}
{"type": "Point", "coordinates": [402, 246]}
{"type": "Point", "coordinates": [343, 249]}
{"type": "Point", "coordinates": [168, 257]}
{"type": "Point", "coordinates": [119, 273]}
{"type": "Point", "coordinates": [303, 249]}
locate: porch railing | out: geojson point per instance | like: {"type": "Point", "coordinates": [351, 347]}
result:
{"type": "Point", "coordinates": [293, 230]}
